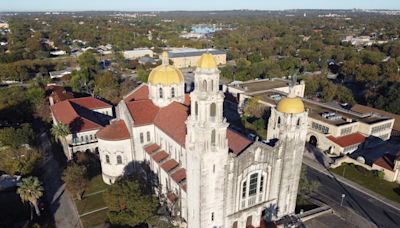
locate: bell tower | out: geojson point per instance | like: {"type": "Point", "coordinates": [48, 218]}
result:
{"type": "Point", "coordinates": [288, 123]}
{"type": "Point", "coordinates": [207, 146]}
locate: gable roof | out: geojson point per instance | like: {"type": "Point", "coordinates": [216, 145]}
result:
{"type": "Point", "coordinates": [347, 140]}
{"type": "Point", "coordinates": [116, 131]}
{"type": "Point", "coordinates": [78, 118]}
{"type": "Point", "coordinates": [237, 143]}
{"type": "Point", "coordinates": [140, 93]}
{"type": "Point", "coordinates": [386, 161]}
{"type": "Point", "coordinates": [365, 109]}
{"type": "Point", "coordinates": [143, 112]}
{"type": "Point", "coordinates": [90, 103]}
{"type": "Point", "coordinates": [171, 119]}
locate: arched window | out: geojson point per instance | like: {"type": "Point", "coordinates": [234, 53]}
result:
{"type": "Point", "coordinates": [107, 159]}
{"type": "Point", "coordinates": [213, 110]}
{"type": "Point", "coordinates": [212, 85]}
{"type": "Point", "coordinates": [196, 108]}
{"type": "Point", "coordinates": [172, 92]}
{"type": "Point", "coordinates": [119, 159]}
{"type": "Point", "coordinates": [279, 120]}
{"type": "Point", "coordinates": [298, 122]}
{"type": "Point", "coordinates": [205, 86]}
{"type": "Point", "coordinates": [213, 137]}
{"type": "Point", "coordinates": [161, 93]}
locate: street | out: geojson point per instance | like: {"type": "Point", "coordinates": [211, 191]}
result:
{"type": "Point", "coordinates": [331, 190]}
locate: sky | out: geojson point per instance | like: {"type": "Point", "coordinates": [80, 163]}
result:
{"type": "Point", "coordinates": [166, 5]}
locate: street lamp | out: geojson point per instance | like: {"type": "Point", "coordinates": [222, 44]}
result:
{"type": "Point", "coordinates": [341, 202]}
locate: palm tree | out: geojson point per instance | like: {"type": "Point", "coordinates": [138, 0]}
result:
{"type": "Point", "coordinates": [31, 190]}
{"type": "Point", "coordinates": [60, 130]}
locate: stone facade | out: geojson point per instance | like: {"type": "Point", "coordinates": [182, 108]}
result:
{"type": "Point", "coordinates": [210, 175]}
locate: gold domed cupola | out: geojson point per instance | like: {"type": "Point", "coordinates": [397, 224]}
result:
{"type": "Point", "coordinates": [290, 104]}
{"type": "Point", "coordinates": [207, 61]}
{"type": "Point", "coordinates": [165, 74]}
{"type": "Point", "coordinates": [166, 83]}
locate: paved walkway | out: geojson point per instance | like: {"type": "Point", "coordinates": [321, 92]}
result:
{"type": "Point", "coordinates": [61, 204]}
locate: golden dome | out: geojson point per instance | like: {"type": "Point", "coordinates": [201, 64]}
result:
{"type": "Point", "coordinates": [166, 75]}
{"type": "Point", "coordinates": [290, 105]}
{"type": "Point", "coordinates": [207, 61]}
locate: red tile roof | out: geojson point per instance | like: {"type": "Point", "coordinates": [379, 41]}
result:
{"type": "Point", "coordinates": [76, 117]}
{"type": "Point", "coordinates": [187, 101]}
{"type": "Point", "coordinates": [347, 140]}
{"type": "Point", "coordinates": [237, 142]}
{"type": "Point", "coordinates": [179, 175]}
{"type": "Point", "coordinates": [140, 93]}
{"type": "Point", "coordinates": [171, 119]}
{"type": "Point", "coordinates": [169, 165]}
{"type": "Point", "coordinates": [151, 148]}
{"type": "Point", "coordinates": [384, 162]}
{"type": "Point", "coordinates": [116, 131]}
{"type": "Point", "coordinates": [58, 93]}
{"type": "Point", "coordinates": [90, 103]}
{"type": "Point", "coordinates": [143, 112]}
{"type": "Point", "coordinates": [172, 197]}
{"type": "Point", "coordinates": [184, 186]}
{"type": "Point", "coordinates": [159, 156]}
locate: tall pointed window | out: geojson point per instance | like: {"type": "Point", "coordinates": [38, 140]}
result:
{"type": "Point", "coordinates": [244, 188]}
{"type": "Point", "coordinates": [161, 93]}
{"type": "Point", "coordinates": [213, 137]}
{"type": "Point", "coordinates": [213, 110]}
{"type": "Point", "coordinates": [196, 108]}
{"type": "Point", "coordinates": [172, 92]}
{"type": "Point", "coordinates": [205, 86]}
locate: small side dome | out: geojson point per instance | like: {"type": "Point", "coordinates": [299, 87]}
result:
{"type": "Point", "coordinates": [207, 61]}
{"type": "Point", "coordinates": [290, 105]}
{"type": "Point", "coordinates": [165, 74]}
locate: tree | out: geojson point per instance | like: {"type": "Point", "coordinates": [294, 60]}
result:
{"type": "Point", "coordinates": [129, 204]}
{"type": "Point", "coordinates": [75, 178]}
{"type": "Point", "coordinates": [20, 161]}
{"type": "Point", "coordinates": [253, 108]}
{"type": "Point", "coordinates": [15, 137]}
{"type": "Point", "coordinates": [143, 75]}
{"type": "Point", "coordinates": [30, 191]}
{"type": "Point", "coordinates": [60, 130]}
{"type": "Point", "coordinates": [106, 86]}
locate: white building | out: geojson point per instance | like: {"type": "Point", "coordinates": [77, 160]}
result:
{"type": "Point", "coordinates": [137, 53]}
{"type": "Point", "coordinates": [84, 116]}
{"type": "Point", "coordinates": [210, 175]}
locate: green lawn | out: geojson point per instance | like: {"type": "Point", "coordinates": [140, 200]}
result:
{"type": "Point", "coordinates": [93, 202]}
{"type": "Point", "coordinates": [367, 179]}
{"type": "Point", "coordinates": [96, 184]}
{"type": "Point", "coordinates": [94, 219]}
{"type": "Point", "coordinates": [90, 203]}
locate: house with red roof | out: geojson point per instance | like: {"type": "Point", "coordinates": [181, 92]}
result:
{"type": "Point", "coordinates": [207, 174]}
{"type": "Point", "coordinates": [84, 116]}
{"type": "Point", "coordinates": [390, 165]}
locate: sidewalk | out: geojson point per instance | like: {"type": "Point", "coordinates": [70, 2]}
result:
{"type": "Point", "coordinates": [318, 167]}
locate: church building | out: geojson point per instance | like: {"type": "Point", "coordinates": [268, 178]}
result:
{"type": "Point", "coordinates": [208, 174]}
